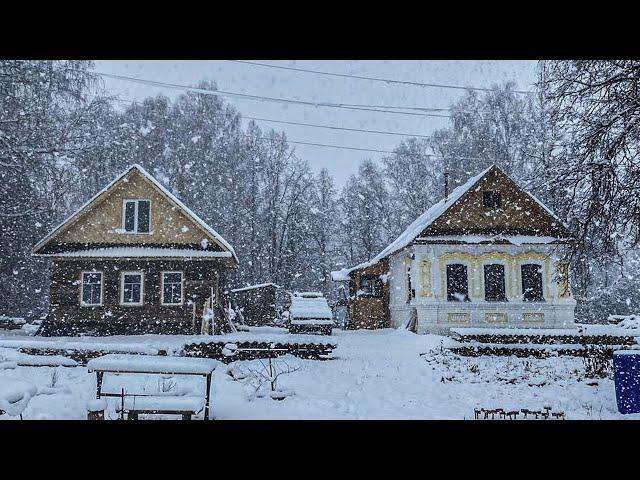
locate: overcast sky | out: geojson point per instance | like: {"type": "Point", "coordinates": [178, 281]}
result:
{"type": "Point", "coordinates": [257, 80]}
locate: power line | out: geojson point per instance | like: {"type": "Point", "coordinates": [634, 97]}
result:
{"type": "Point", "coordinates": [331, 127]}
{"type": "Point", "coordinates": [373, 79]}
{"type": "Point", "coordinates": [345, 147]}
{"type": "Point", "coordinates": [315, 125]}
{"type": "Point", "coordinates": [325, 145]}
{"type": "Point", "coordinates": [222, 93]}
{"type": "Point", "coordinates": [363, 149]}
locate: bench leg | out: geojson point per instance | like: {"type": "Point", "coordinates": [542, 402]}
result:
{"type": "Point", "coordinates": [99, 376]}
{"type": "Point", "coordinates": [207, 397]}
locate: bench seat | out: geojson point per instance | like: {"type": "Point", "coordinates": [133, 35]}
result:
{"type": "Point", "coordinates": [163, 404]}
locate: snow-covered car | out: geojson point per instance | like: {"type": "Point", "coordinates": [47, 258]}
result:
{"type": "Point", "coordinates": [310, 313]}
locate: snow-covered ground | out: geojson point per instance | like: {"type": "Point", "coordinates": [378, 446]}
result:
{"type": "Point", "coordinates": [373, 375]}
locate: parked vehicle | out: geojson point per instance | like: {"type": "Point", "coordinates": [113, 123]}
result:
{"type": "Point", "coordinates": [310, 313]}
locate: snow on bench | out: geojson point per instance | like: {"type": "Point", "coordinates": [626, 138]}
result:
{"type": "Point", "coordinates": [15, 395]}
{"type": "Point", "coordinates": [161, 404]}
{"type": "Point", "coordinates": [152, 364]}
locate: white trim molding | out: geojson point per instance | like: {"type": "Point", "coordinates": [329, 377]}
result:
{"type": "Point", "coordinates": [132, 304]}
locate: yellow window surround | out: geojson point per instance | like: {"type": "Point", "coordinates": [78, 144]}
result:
{"type": "Point", "coordinates": [512, 263]}
{"type": "Point", "coordinates": [562, 275]}
{"type": "Point", "coordinates": [425, 278]}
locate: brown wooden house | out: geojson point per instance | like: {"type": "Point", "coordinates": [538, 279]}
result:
{"type": "Point", "coordinates": [133, 259]}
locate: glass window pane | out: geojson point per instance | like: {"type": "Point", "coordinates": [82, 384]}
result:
{"type": "Point", "coordinates": [91, 288]}
{"type": "Point", "coordinates": [457, 283]}
{"type": "Point", "coordinates": [494, 284]}
{"type": "Point", "coordinates": [144, 207]}
{"type": "Point", "coordinates": [172, 287]}
{"type": "Point", "coordinates": [172, 277]}
{"type": "Point", "coordinates": [532, 290]}
{"type": "Point", "coordinates": [129, 216]}
{"type": "Point", "coordinates": [132, 288]}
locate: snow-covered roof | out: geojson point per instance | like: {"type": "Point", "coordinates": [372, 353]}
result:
{"type": "Point", "coordinates": [426, 219]}
{"type": "Point", "coordinates": [145, 252]}
{"type": "Point", "coordinates": [513, 239]}
{"type": "Point", "coordinates": [214, 235]}
{"type": "Point", "coordinates": [309, 307]}
{"type": "Point", "coordinates": [418, 225]}
{"type": "Point", "coordinates": [251, 287]}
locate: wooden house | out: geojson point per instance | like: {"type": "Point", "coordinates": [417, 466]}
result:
{"type": "Point", "coordinates": [133, 259]}
{"type": "Point", "coordinates": [488, 255]}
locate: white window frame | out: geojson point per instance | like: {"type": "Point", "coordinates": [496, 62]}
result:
{"type": "Point", "coordinates": [135, 216]}
{"type": "Point", "coordinates": [162, 274]}
{"type": "Point", "coordinates": [82, 303]}
{"type": "Point", "coordinates": [132, 304]}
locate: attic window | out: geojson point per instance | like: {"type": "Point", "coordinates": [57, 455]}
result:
{"type": "Point", "coordinates": [491, 199]}
{"type": "Point", "coordinates": [136, 216]}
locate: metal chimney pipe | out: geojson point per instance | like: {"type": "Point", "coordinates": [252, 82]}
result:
{"type": "Point", "coordinates": [446, 185]}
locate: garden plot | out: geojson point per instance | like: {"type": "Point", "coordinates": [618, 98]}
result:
{"type": "Point", "coordinates": [373, 375]}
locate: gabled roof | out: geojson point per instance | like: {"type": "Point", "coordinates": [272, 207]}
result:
{"type": "Point", "coordinates": [215, 236]}
{"type": "Point", "coordinates": [430, 216]}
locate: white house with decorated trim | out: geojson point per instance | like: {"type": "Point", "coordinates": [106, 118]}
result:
{"type": "Point", "coordinates": [488, 255]}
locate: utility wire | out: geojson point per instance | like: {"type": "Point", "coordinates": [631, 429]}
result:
{"type": "Point", "coordinates": [331, 127]}
{"type": "Point", "coordinates": [325, 145]}
{"type": "Point", "coordinates": [315, 125]}
{"type": "Point", "coordinates": [373, 79]}
{"type": "Point", "coordinates": [346, 147]}
{"type": "Point", "coordinates": [222, 93]}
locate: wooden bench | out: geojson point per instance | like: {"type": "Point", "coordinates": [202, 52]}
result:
{"type": "Point", "coordinates": [155, 365]}
{"type": "Point", "coordinates": [186, 406]}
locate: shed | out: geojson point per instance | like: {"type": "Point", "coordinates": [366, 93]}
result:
{"type": "Point", "coordinates": [257, 303]}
